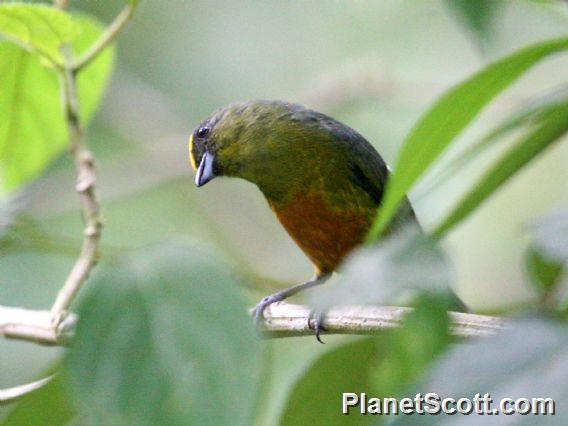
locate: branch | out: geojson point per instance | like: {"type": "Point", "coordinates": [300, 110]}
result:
{"type": "Point", "coordinates": [56, 327]}
{"type": "Point", "coordinates": [84, 162]}
{"type": "Point", "coordinates": [286, 320]}
{"type": "Point", "coordinates": [105, 38]}
{"type": "Point", "coordinates": [281, 320]}
{"type": "Point", "coordinates": [36, 326]}
{"type": "Point", "coordinates": [85, 186]}
{"type": "Point", "coordinates": [13, 394]}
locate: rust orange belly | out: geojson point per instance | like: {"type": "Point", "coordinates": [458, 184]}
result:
{"type": "Point", "coordinates": [324, 234]}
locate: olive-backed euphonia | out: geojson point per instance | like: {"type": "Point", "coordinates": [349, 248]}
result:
{"type": "Point", "coordinates": [323, 180]}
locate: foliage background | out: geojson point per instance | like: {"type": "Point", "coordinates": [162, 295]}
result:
{"type": "Point", "coordinates": [180, 60]}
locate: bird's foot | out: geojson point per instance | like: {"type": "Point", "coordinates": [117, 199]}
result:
{"type": "Point", "coordinates": [258, 311]}
{"type": "Point", "coordinates": [315, 322]}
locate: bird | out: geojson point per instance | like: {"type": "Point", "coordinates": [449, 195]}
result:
{"type": "Point", "coordinates": [322, 179]}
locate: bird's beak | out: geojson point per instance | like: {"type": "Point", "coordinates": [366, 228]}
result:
{"type": "Point", "coordinates": [205, 170]}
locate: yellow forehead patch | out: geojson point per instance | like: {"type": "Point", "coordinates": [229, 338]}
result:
{"type": "Point", "coordinates": [191, 158]}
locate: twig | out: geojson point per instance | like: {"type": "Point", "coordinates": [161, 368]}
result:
{"type": "Point", "coordinates": [85, 186]}
{"type": "Point", "coordinates": [13, 394]}
{"type": "Point", "coordinates": [84, 162]}
{"type": "Point", "coordinates": [36, 326]}
{"type": "Point", "coordinates": [56, 327]}
{"type": "Point", "coordinates": [106, 37]}
{"type": "Point", "coordinates": [281, 320]}
{"type": "Point", "coordinates": [286, 320]}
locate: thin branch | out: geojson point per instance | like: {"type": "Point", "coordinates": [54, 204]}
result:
{"type": "Point", "coordinates": [106, 38]}
{"type": "Point", "coordinates": [286, 320]}
{"type": "Point", "coordinates": [281, 320]}
{"type": "Point", "coordinates": [84, 163]}
{"type": "Point", "coordinates": [85, 186]}
{"type": "Point", "coordinates": [36, 326]}
{"type": "Point", "coordinates": [51, 327]}
{"type": "Point", "coordinates": [13, 394]}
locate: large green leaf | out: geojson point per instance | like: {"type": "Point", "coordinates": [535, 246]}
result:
{"type": "Point", "coordinates": [449, 115]}
{"type": "Point", "coordinates": [316, 399]}
{"type": "Point", "coordinates": [380, 274]}
{"type": "Point", "coordinates": [527, 360]}
{"type": "Point", "coordinates": [526, 116]}
{"type": "Point", "coordinates": [552, 127]}
{"type": "Point", "coordinates": [409, 350]}
{"type": "Point", "coordinates": [38, 28]}
{"type": "Point", "coordinates": [166, 339]}
{"type": "Point", "coordinates": [49, 405]}
{"type": "Point", "coordinates": [32, 127]}
{"type": "Point", "coordinates": [382, 366]}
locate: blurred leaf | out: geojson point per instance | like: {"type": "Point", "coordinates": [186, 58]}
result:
{"type": "Point", "coordinates": [449, 115]}
{"type": "Point", "coordinates": [478, 15]}
{"type": "Point", "coordinates": [382, 366]}
{"type": "Point", "coordinates": [316, 399]}
{"type": "Point", "coordinates": [38, 28]}
{"type": "Point", "coordinates": [32, 127]}
{"type": "Point", "coordinates": [528, 115]}
{"type": "Point", "coordinates": [32, 130]}
{"type": "Point", "coordinates": [551, 129]}
{"type": "Point", "coordinates": [49, 405]}
{"type": "Point", "coordinates": [548, 253]}
{"type": "Point", "coordinates": [550, 234]}
{"type": "Point", "coordinates": [409, 350]}
{"type": "Point", "coordinates": [10, 207]}
{"type": "Point", "coordinates": [405, 262]}
{"type": "Point", "coordinates": [544, 273]}
{"type": "Point", "coordinates": [166, 339]}
{"type": "Point", "coordinates": [94, 78]}
{"type": "Point", "coordinates": [528, 359]}
{"type": "Point", "coordinates": [28, 235]}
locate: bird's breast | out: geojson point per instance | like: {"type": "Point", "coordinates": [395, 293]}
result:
{"type": "Point", "coordinates": [325, 232]}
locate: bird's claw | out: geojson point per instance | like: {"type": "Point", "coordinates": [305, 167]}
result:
{"type": "Point", "coordinates": [315, 322]}
{"type": "Point", "coordinates": [258, 311]}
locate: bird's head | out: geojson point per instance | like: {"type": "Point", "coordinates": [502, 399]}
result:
{"type": "Point", "coordinates": [256, 141]}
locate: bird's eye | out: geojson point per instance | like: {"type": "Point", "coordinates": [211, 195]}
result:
{"type": "Point", "coordinates": [202, 132]}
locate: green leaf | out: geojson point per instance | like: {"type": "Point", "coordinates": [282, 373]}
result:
{"type": "Point", "coordinates": [477, 15]}
{"type": "Point", "coordinates": [49, 405]}
{"type": "Point", "coordinates": [93, 79]}
{"type": "Point", "coordinates": [552, 128]}
{"type": "Point", "coordinates": [317, 397]}
{"type": "Point", "coordinates": [40, 29]}
{"type": "Point", "coordinates": [548, 252]}
{"type": "Point", "coordinates": [550, 234]}
{"type": "Point", "coordinates": [544, 273]}
{"type": "Point", "coordinates": [10, 208]}
{"type": "Point", "coordinates": [405, 262]}
{"type": "Point", "coordinates": [32, 126]}
{"type": "Point", "coordinates": [446, 119]}
{"type": "Point", "coordinates": [166, 339]}
{"type": "Point", "coordinates": [527, 360]}
{"type": "Point", "coordinates": [528, 115]}
{"type": "Point", "coordinates": [409, 350]}
{"type": "Point", "coordinates": [380, 367]}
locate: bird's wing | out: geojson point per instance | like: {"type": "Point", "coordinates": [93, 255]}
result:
{"type": "Point", "coordinates": [370, 172]}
